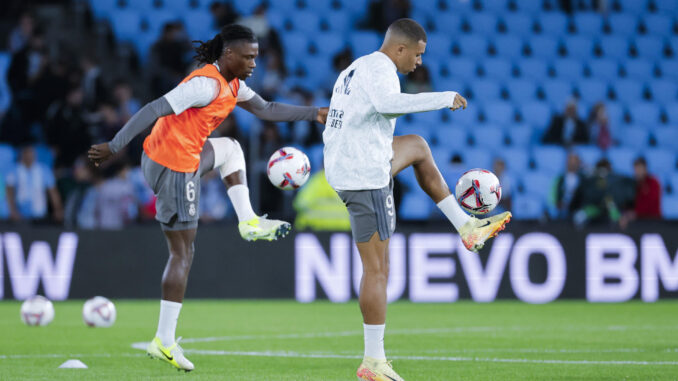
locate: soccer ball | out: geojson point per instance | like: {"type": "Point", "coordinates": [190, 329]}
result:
{"type": "Point", "coordinates": [98, 312]}
{"type": "Point", "coordinates": [478, 191]}
{"type": "Point", "coordinates": [288, 168]}
{"type": "Point", "coordinates": [37, 310]}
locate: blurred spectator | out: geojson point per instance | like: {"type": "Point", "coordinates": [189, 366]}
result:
{"type": "Point", "coordinates": [418, 81]}
{"type": "Point", "coordinates": [273, 77]}
{"type": "Point", "coordinates": [67, 130]}
{"type": "Point", "coordinates": [116, 204]}
{"type": "Point", "coordinates": [506, 181]}
{"type": "Point", "coordinates": [382, 13]}
{"type": "Point", "coordinates": [127, 105]}
{"type": "Point", "coordinates": [92, 83]}
{"type": "Point", "coordinates": [257, 21]}
{"type": "Point", "coordinates": [213, 198]}
{"type": "Point", "coordinates": [647, 203]}
{"type": "Point", "coordinates": [271, 198]}
{"type": "Point", "coordinates": [107, 124]}
{"type": "Point", "coordinates": [566, 185]}
{"type": "Point", "coordinates": [599, 126]}
{"type": "Point", "coordinates": [223, 13]}
{"type": "Point", "coordinates": [567, 128]}
{"type": "Point", "coordinates": [22, 32]}
{"type": "Point", "coordinates": [28, 186]}
{"type": "Point", "coordinates": [319, 207]}
{"type": "Point", "coordinates": [78, 187]}
{"type": "Point", "coordinates": [602, 196]}
{"type": "Point", "coordinates": [169, 58]}
{"type": "Point", "coordinates": [342, 60]}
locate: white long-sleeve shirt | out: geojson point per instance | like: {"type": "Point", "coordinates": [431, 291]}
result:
{"type": "Point", "coordinates": [359, 131]}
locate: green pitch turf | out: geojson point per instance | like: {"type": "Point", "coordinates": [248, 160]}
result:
{"type": "Point", "coordinates": [283, 340]}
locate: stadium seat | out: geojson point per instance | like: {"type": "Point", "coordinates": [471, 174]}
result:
{"type": "Point", "coordinates": [430, 118]}
{"type": "Point", "coordinates": [449, 24]}
{"type": "Point", "coordinates": [667, 6]}
{"type": "Point", "coordinates": [295, 42]}
{"type": "Point", "coordinates": [496, 6]}
{"type": "Point", "coordinates": [452, 138]}
{"type": "Point", "coordinates": [328, 44]}
{"type": "Point", "coordinates": [472, 45]}
{"type": "Point", "coordinates": [339, 21]}
{"type": "Point", "coordinates": [552, 24]}
{"type": "Point", "coordinates": [588, 154]}
{"type": "Point", "coordinates": [499, 112]}
{"type": "Point", "coordinates": [623, 24]}
{"type": "Point", "coordinates": [628, 91]}
{"type": "Point", "coordinates": [533, 68]}
{"type": "Point", "coordinates": [667, 138]}
{"type": "Point", "coordinates": [549, 158]}
{"type": "Point", "coordinates": [488, 137]}
{"type": "Point", "coordinates": [640, 69]}
{"type": "Point", "coordinates": [527, 207]}
{"type": "Point", "coordinates": [8, 156]}
{"type": "Point", "coordinates": [315, 156]}
{"type": "Point", "coordinates": [659, 25]}
{"type": "Point", "coordinates": [461, 67]}
{"type": "Point", "coordinates": [568, 69]}
{"type": "Point", "coordinates": [557, 92]}
{"type": "Point", "coordinates": [536, 113]}
{"type": "Point", "coordinates": [672, 180]}
{"type": "Point", "coordinates": [669, 205]}
{"type": "Point", "coordinates": [306, 22]}
{"type": "Point", "coordinates": [614, 47]}
{"type": "Point", "coordinates": [449, 84]}
{"type": "Point", "coordinates": [518, 24]}
{"type": "Point", "coordinates": [592, 90]}
{"type": "Point", "coordinates": [497, 68]}
{"type": "Point", "coordinates": [672, 46]}
{"type": "Point", "coordinates": [516, 158]}
{"type": "Point", "coordinates": [318, 6]}
{"type": "Point", "coordinates": [578, 47]}
{"type": "Point", "coordinates": [484, 23]}
{"type": "Point", "coordinates": [663, 91]}
{"type": "Point", "coordinates": [477, 158]}
{"type": "Point", "coordinates": [103, 9]}
{"type": "Point", "coordinates": [588, 24]}
{"type": "Point", "coordinates": [645, 113]}
{"type": "Point", "coordinates": [615, 113]}
{"type": "Point", "coordinates": [278, 6]}
{"type": "Point", "coordinates": [468, 117]}
{"type": "Point", "coordinates": [485, 90]}
{"type": "Point", "coordinates": [603, 69]}
{"type": "Point", "coordinates": [157, 20]}
{"type": "Point", "coordinates": [660, 161]}
{"type": "Point", "coordinates": [438, 46]}
{"type": "Point", "coordinates": [649, 47]}
{"type": "Point", "coordinates": [544, 47]}
{"type": "Point", "coordinates": [521, 90]}
{"type": "Point", "coordinates": [519, 135]}
{"type": "Point", "coordinates": [364, 42]}
{"type": "Point", "coordinates": [5, 93]}
{"type": "Point", "coordinates": [669, 69]}
{"type": "Point", "coordinates": [530, 6]}
{"type": "Point", "coordinates": [633, 6]}
{"type": "Point", "coordinates": [622, 159]}
{"type": "Point", "coordinates": [507, 46]}
{"type": "Point", "coordinates": [424, 130]}
{"type": "Point", "coordinates": [537, 183]}
{"type": "Point", "coordinates": [126, 24]}
{"type": "Point", "coordinates": [635, 137]}
{"type": "Point", "coordinates": [198, 24]}
{"type": "Point", "coordinates": [415, 205]}
{"type": "Point", "coordinates": [672, 113]}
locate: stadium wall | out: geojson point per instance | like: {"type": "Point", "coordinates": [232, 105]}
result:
{"type": "Point", "coordinates": [535, 264]}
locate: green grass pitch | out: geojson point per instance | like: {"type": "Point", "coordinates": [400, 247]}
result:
{"type": "Point", "coordinates": [284, 340]}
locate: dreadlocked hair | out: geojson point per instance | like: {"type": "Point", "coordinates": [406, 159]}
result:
{"type": "Point", "coordinates": [210, 51]}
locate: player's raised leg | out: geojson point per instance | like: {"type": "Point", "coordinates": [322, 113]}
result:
{"type": "Point", "coordinates": [229, 159]}
{"type": "Point", "coordinates": [414, 150]}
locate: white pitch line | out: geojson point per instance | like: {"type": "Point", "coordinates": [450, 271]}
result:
{"type": "Point", "coordinates": [59, 355]}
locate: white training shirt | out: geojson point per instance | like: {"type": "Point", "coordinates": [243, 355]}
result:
{"type": "Point", "coordinates": [199, 92]}
{"type": "Point", "coordinates": [359, 131]}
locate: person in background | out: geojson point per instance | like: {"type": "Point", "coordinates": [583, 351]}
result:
{"type": "Point", "coordinates": [506, 181]}
{"type": "Point", "coordinates": [648, 196]}
{"type": "Point", "coordinates": [418, 81]}
{"type": "Point", "coordinates": [319, 207]}
{"type": "Point", "coordinates": [566, 184]}
{"type": "Point", "coordinates": [599, 126]}
{"type": "Point", "coordinates": [567, 128]}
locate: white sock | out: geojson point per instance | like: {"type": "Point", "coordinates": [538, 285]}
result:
{"type": "Point", "coordinates": [453, 212]}
{"type": "Point", "coordinates": [240, 198]}
{"type": "Point", "coordinates": [167, 324]}
{"type": "Point", "coordinates": [374, 341]}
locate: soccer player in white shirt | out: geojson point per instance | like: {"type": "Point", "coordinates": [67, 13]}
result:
{"type": "Point", "coordinates": [362, 156]}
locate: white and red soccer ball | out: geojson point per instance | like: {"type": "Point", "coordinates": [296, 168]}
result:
{"type": "Point", "coordinates": [98, 312]}
{"type": "Point", "coordinates": [37, 310]}
{"type": "Point", "coordinates": [478, 191]}
{"type": "Point", "coordinates": [288, 168]}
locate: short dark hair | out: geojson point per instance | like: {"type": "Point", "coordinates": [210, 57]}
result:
{"type": "Point", "coordinates": [640, 160]}
{"type": "Point", "coordinates": [210, 51]}
{"type": "Point", "coordinates": [409, 29]}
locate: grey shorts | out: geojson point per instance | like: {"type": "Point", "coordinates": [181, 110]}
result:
{"type": "Point", "coordinates": [370, 211]}
{"type": "Point", "coordinates": [177, 195]}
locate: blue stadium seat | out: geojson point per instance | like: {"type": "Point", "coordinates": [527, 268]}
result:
{"type": "Point", "coordinates": [519, 135]}
{"type": "Point", "coordinates": [633, 6]}
{"type": "Point", "coordinates": [660, 161]}
{"type": "Point", "coordinates": [672, 180]}
{"type": "Point", "coordinates": [496, 6]}
{"type": "Point", "coordinates": [461, 67]}
{"type": "Point", "coordinates": [649, 47]}
{"type": "Point", "coordinates": [604, 69]}
{"type": "Point", "coordinates": [44, 155]}
{"type": "Point", "coordinates": [645, 113]}
{"type": "Point", "coordinates": [438, 46]}
{"type": "Point", "coordinates": [485, 90]}
{"type": "Point", "coordinates": [527, 207]}
{"type": "Point", "coordinates": [424, 130]}
{"type": "Point", "coordinates": [316, 69]}
{"type": "Point", "coordinates": [177, 6]}
{"type": "Point", "coordinates": [328, 44]}
{"type": "Point", "coordinates": [544, 47]}
{"type": "Point", "coordinates": [518, 24]}
{"type": "Point", "coordinates": [198, 24]}
{"type": "Point", "coordinates": [592, 90]}
{"type": "Point", "coordinates": [640, 69]}
{"type": "Point", "coordinates": [455, 7]}
{"type": "Point", "coordinates": [472, 45]}
{"type": "Point", "coordinates": [623, 24]}
{"type": "Point", "coordinates": [672, 112]}
{"type": "Point", "coordinates": [477, 158]}
{"type": "Point", "coordinates": [669, 207]}
{"type": "Point", "coordinates": [364, 42]}
{"type": "Point", "coordinates": [669, 68]}
{"type": "Point", "coordinates": [536, 113]}
{"type": "Point", "coordinates": [579, 47]}
{"type": "Point", "coordinates": [482, 23]}
{"type": "Point", "coordinates": [5, 93]}
{"type": "Point", "coordinates": [305, 22]}
{"type": "Point", "coordinates": [614, 47]}
{"type": "Point", "coordinates": [533, 68]}
{"type": "Point", "coordinates": [431, 118]}
{"type": "Point", "coordinates": [488, 137]}
{"type": "Point", "coordinates": [126, 24]}
{"type": "Point", "coordinates": [8, 156]}
{"type": "Point", "coordinates": [663, 91]}
{"type": "Point", "coordinates": [667, 6]}
{"type": "Point", "coordinates": [622, 159]}
{"type": "Point", "coordinates": [452, 138]}
{"type": "Point", "coordinates": [530, 6]}
{"type": "Point", "coordinates": [521, 90]}
{"type": "Point", "coordinates": [615, 113]}
{"type": "Point", "coordinates": [295, 42]}
{"type": "Point", "coordinates": [672, 45]}
{"type": "Point", "coordinates": [549, 158]}
{"type": "Point", "coordinates": [499, 112]}
{"type": "Point", "coordinates": [468, 117]}
{"type": "Point", "coordinates": [538, 183]}
{"type": "Point", "coordinates": [449, 24]}
{"type": "Point", "coordinates": [569, 69]}
{"type": "Point", "coordinates": [157, 20]}
{"type": "Point", "coordinates": [279, 6]}
{"type": "Point", "coordinates": [497, 68]}
{"type": "Point", "coordinates": [589, 24]}
{"type": "Point", "coordinates": [635, 137]}
{"type": "Point", "coordinates": [553, 24]}
{"type": "Point", "coordinates": [415, 205]}
{"type": "Point", "coordinates": [589, 154]}
{"type": "Point", "coordinates": [660, 25]}
{"type": "Point", "coordinates": [145, 6]}
{"type": "Point", "coordinates": [628, 91]}
{"type": "Point", "coordinates": [103, 9]}
{"type": "Point", "coordinates": [507, 46]}
{"type": "Point", "coordinates": [558, 92]}
{"type": "Point", "coordinates": [339, 21]}
{"type": "Point", "coordinates": [450, 83]}
{"type": "Point", "coordinates": [516, 158]}
{"type": "Point", "coordinates": [315, 156]}
{"type": "Point", "coordinates": [667, 138]}
{"type": "Point", "coordinates": [318, 6]}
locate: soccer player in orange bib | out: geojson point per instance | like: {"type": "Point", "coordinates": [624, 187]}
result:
{"type": "Point", "coordinates": [178, 152]}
